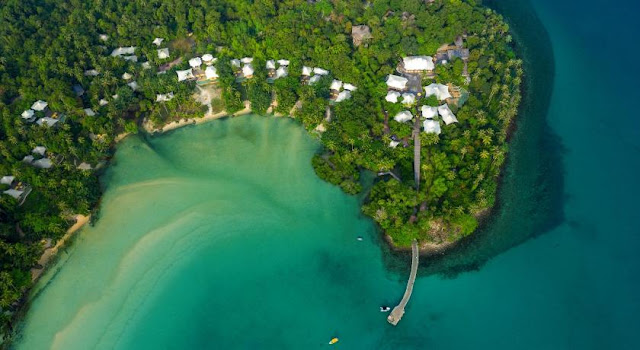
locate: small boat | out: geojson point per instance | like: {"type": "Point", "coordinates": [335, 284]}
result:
{"type": "Point", "coordinates": [385, 309]}
{"type": "Point", "coordinates": [333, 341]}
{"type": "Point", "coordinates": [359, 238]}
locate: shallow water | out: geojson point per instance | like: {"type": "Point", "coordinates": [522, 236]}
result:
{"type": "Point", "coordinates": [217, 234]}
{"type": "Point", "coordinates": [220, 236]}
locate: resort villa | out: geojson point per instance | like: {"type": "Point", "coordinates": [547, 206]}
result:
{"type": "Point", "coordinates": [164, 97]}
{"type": "Point", "coordinates": [277, 69]}
{"type": "Point", "coordinates": [186, 74]}
{"type": "Point", "coordinates": [163, 53]}
{"type": "Point", "coordinates": [416, 64]}
{"type": "Point", "coordinates": [126, 53]}
{"type": "Point", "coordinates": [440, 91]}
{"type": "Point", "coordinates": [15, 189]}
{"type": "Point", "coordinates": [392, 96]}
{"type": "Point", "coordinates": [312, 75]}
{"type": "Point", "coordinates": [396, 82]}
{"type": "Point", "coordinates": [403, 117]}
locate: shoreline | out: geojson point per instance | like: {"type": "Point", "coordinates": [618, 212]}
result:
{"type": "Point", "coordinates": [192, 121]}
{"type": "Point", "coordinates": [51, 252]}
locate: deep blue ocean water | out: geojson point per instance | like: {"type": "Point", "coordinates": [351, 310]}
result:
{"type": "Point", "coordinates": [556, 268]}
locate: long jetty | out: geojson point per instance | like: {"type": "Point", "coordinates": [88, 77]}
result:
{"type": "Point", "coordinates": [398, 311]}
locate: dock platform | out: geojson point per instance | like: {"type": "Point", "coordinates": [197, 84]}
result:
{"type": "Point", "coordinates": [398, 311]}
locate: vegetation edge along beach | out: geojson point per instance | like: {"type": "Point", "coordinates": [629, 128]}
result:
{"type": "Point", "coordinates": [421, 93]}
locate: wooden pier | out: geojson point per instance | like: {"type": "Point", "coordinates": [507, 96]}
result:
{"type": "Point", "coordinates": [398, 311]}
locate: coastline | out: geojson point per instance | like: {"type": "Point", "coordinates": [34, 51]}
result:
{"type": "Point", "coordinates": [495, 234]}
{"type": "Point", "coordinates": [50, 252]}
{"type": "Point", "coordinates": [193, 121]}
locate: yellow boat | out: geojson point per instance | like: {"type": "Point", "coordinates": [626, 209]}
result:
{"type": "Point", "coordinates": [333, 341]}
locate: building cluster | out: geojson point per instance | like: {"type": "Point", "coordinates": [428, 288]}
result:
{"type": "Point", "coordinates": [243, 68]}
{"type": "Point", "coordinates": [38, 158]}
{"type": "Point", "coordinates": [313, 75]}
{"type": "Point", "coordinates": [202, 69]}
{"type": "Point", "coordinates": [41, 114]}
{"type": "Point", "coordinates": [403, 89]}
{"type": "Point", "coordinates": [277, 69]}
{"type": "Point", "coordinates": [341, 91]}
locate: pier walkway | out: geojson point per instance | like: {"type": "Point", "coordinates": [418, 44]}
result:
{"type": "Point", "coordinates": [398, 311]}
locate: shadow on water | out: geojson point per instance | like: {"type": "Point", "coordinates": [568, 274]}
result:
{"type": "Point", "coordinates": [531, 194]}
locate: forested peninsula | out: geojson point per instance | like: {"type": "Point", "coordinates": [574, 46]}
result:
{"type": "Point", "coordinates": [420, 92]}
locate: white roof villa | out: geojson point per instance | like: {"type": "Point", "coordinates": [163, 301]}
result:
{"type": "Point", "coordinates": [281, 72]}
{"type": "Point", "coordinates": [336, 85]}
{"type": "Point", "coordinates": [429, 112]}
{"type": "Point", "coordinates": [163, 53]}
{"type": "Point", "coordinates": [47, 121]}
{"type": "Point", "coordinates": [320, 71]}
{"type": "Point", "coordinates": [408, 99]}
{"type": "Point", "coordinates": [306, 70]}
{"type": "Point", "coordinates": [123, 51]}
{"type": "Point", "coordinates": [207, 58]}
{"type": "Point", "coordinates": [39, 150]}
{"type": "Point", "coordinates": [158, 41]}
{"type": "Point", "coordinates": [392, 96]}
{"type": "Point", "coordinates": [146, 65]}
{"type": "Point", "coordinates": [447, 116]}
{"type": "Point", "coordinates": [397, 82]}
{"type": "Point", "coordinates": [28, 114]}
{"type": "Point", "coordinates": [7, 180]}
{"type": "Point", "coordinates": [103, 102]}
{"type": "Point", "coordinates": [349, 87]}
{"type": "Point", "coordinates": [247, 70]}
{"type": "Point", "coordinates": [164, 97]}
{"type": "Point", "coordinates": [283, 62]}
{"type": "Point", "coordinates": [439, 90]}
{"type": "Point", "coordinates": [343, 95]}
{"type": "Point", "coordinates": [28, 159]}
{"type": "Point", "coordinates": [126, 76]}
{"type": "Point", "coordinates": [314, 79]}
{"type": "Point", "coordinates": [431, 126]}
{"type": "Point", "coordinates": [211, 72]}
{"type": "Point", "coordinates": [132, 58]}
{"type": "Point", "coordinates": [195, 62]}
{"type": "Point", "coordinates": [418, 63]}
{"type": "Point", "coordinates": [271, 64]}
{"type": "Point", "coordinates": [133, 85]}
{"type": "Point", "coordinates": [185, 74]}
{"type": "Point", "coordinates": [246, 60]}
{"type": "Point", "coordinates": [89, 112]}
{"type": "Point", "coordinates": [394, 144]}
{"type": "Point", "coordinates": [44, 163]}
{"type": "Point", "coordinates": [403, 116]}
{"type": "Point", "coordinates": [39, 105]}
{"type": "Point", "coordinates": [84, 166]}
{"type": "Point", "coordinates": [91, 73]}
{"type": "Point", "coordinates": [235, 62]}
{"type": "Point", "coordinates": [103, 37]}
{"type": "Point", "coordinates": [14, 193]}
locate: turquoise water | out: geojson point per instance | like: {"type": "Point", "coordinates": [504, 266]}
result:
{"type": "Point", "coordinates": [220, 236]}
{"type": "Point", "coordinates": [217, 234]}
